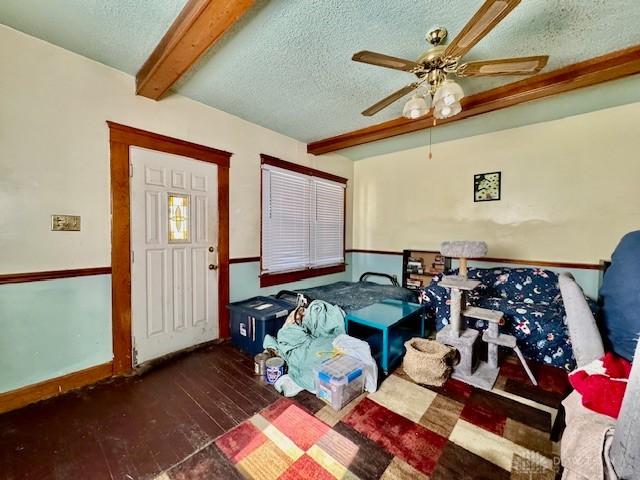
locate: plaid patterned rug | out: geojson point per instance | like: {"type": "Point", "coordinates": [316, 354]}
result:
{"type": "Point", "coordinates": [402, 431]}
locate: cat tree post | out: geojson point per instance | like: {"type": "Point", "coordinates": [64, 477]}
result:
{"type": "Point", "coordinates": [462, 267]}
{"type": "Point", "coordinates": [455, 310]}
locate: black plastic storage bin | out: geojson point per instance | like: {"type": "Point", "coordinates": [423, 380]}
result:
{"type": "Point", "coordinates": [251, 320]}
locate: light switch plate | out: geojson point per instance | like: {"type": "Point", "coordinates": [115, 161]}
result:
{"type": "Point", "coordinates": [65, 223]}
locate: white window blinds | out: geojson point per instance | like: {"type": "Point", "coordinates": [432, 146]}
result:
{"type": "Point", "coordinates": [302, 221]}
{"type": "Point", "coordinates": [327, 223]}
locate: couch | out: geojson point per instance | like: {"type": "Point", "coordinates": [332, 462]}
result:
{"type": "Point", "coordinates": [531, 301]}
{"type": "Point", "coordinates": [594, 445]}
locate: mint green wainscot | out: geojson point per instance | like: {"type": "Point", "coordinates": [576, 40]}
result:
{"type": "Point", "coordinates": [52, 328]}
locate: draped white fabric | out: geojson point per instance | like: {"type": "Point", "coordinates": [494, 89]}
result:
{"type": "Point", "coordinates": [302, 221]}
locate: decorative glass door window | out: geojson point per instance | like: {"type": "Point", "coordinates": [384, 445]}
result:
{"type": "Point", "coordinates": [179, 218]}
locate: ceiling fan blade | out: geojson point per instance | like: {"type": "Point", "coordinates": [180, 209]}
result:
{"type": "Point", "coordinates": [485, 19]}
{"type": "Point", "coordinates": [385, 102]}
{"type": "Point", "coordinates": [504, 66]}
{"type": "Point", "coordinates": [382, 60]}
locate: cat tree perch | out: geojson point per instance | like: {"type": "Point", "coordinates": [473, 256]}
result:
{"type": "Point", "coordinates": [467, 340]}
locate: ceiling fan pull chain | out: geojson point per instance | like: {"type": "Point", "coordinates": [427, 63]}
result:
{"type": "Point", "coordinates": [434, 124]}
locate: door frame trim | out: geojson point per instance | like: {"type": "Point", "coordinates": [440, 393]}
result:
{"type": "Point", "coordinates": [121, 137]}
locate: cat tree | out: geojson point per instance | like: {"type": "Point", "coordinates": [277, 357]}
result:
{"type": "Point", "coordinates": [466, 341]}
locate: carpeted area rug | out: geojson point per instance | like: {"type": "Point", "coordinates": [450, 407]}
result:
{"type": "Point", "coordinates": [402, 431]}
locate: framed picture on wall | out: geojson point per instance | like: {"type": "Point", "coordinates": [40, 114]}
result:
{"type": "Point", "coordinates": [486, 186]}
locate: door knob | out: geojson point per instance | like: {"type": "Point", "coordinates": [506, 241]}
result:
{"type": "Point", "coordinates": [211, 249]}
{"type": "Point", "coordinates": [213, 267]}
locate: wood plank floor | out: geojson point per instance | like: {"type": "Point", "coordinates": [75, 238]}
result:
{"type": "Point", "coordinates": [137, 427]}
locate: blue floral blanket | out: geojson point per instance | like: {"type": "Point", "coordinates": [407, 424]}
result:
{"type": "Point", "coordinates": [531, 301]}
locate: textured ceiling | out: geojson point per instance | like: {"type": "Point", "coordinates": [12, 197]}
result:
{"type": "Point", "coordinates": [118, 33]}
{"type": "Point", "coordinates": [287, 65]}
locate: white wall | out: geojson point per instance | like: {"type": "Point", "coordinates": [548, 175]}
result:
{"type": "Point", "coordinates": [54, 154]}
{"type": "Point", "coordinates": [570, 190]}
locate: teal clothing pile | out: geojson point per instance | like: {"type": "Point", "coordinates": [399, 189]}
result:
{"type": "Point", "coordinates": [307, 345]}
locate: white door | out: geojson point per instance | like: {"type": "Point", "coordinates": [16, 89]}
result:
{"type": "Point", "coordinates": [174, 252]}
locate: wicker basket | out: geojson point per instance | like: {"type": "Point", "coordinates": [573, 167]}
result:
{"type": "Point", "coordinates": [427, 361]}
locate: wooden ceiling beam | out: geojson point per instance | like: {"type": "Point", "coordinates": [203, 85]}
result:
{"type": "Point", "coordinates": [199, 25]}
{"type": "Point", "coordinates": [597, 70]}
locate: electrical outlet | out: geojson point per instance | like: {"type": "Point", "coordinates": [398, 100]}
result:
{"type": "Point", "coordinates": [65, 223]}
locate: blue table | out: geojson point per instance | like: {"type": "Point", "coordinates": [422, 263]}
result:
{"type": "Point", "coordinates": [388, 317]}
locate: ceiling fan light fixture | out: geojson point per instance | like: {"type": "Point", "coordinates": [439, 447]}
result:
{"type": "Point", "coordinates": [442, 110]}
{"type": "Point", "coordinates": [434, 65]}
{"type": "Point", "coordinates": [448, 93]}
{"type": "Point", "coordinates": [416, 107]}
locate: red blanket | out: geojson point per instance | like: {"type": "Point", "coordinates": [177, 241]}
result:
{"type": "Point", "coordinates": [602, 384]}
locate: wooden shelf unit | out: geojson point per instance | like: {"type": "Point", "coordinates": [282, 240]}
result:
{"type": "Point", "coordinates": [432, 264]}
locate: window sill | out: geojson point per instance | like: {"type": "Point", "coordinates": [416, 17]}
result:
{"type": "Point", "coordinates": [271, 279]}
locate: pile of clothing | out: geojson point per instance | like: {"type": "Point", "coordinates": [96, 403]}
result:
{"type": "Point", "coordinates": [311, 335]}
{"type": "Point", "coordinates": [602, 384]}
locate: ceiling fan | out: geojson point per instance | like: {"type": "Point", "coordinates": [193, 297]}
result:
{"type": "Point", "coordinates": [435, 65]}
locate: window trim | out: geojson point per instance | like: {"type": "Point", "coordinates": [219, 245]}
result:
{"type": "Point", "coordinates": [271, 279]}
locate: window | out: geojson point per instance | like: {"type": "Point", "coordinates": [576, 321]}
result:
{"type": "Point", "coordinates": [302, 222]}
{"type": "Point", "coordinates": [178, 217]}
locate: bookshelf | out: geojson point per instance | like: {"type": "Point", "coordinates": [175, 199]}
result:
{"type": "Point", "coordinates": [419, 266]}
